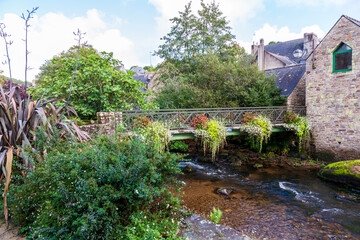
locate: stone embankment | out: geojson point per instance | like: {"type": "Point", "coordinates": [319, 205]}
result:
{"type": "Point", "coordinates": [201, 229]}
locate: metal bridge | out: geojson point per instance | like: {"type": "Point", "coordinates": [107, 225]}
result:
{"type": "Point", "coordinates": [179, 120]}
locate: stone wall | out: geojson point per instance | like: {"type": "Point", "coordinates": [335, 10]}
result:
{"type": "Point", "coordinates": [333, 99]}
{"type": "Point", "coordinates": [107, 123]}
{"type": "Point", "coordinates": [297, 97]}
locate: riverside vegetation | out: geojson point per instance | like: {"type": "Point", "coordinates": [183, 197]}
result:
{"type": "Point", "coordinates": [68, 186]}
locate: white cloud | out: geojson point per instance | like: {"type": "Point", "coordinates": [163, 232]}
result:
{"type": "Point", "coordinates": [312, 2]}
{"type": "Point", "coordinates": [234, 10]}
{"type": "Point", "coordinates": [273, 33]}
{"type": "Point", "coordinates": [53, 33]}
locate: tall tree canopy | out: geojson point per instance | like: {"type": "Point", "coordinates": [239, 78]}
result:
{"type": "Point", "coordinates": [99, 85]}
{"type": "Point", "coordinates": [204, 67]}
{"type": "Point", "coordinates": [191, 35]}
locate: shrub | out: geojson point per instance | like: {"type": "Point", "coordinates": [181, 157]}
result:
{"type": "Point", "coordinates": [179, 146]}
{"type": "Point", "coordinates": [299, 125]}
{"type": "Point", "coordinates": [199, 121]}
{"type": "Point", "coordinates": [141, 122]}
{"type": "Point", "coordinates": [259, 129]}
{"type": "Point", "coordinates": [20, 118]}
{"type": "Point", "coordinates": [212, 136]}
{"type": "Point", "coordinates": [99, 190]}
{"type": "Point", "coordinates": [158, 134]}
{"type": "Point", "coordinates": [215, 215]}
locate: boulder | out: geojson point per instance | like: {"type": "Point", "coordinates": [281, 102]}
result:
{"type": "Point", "coordinates": [347, 172]}
{"type": "Point", "coordinates": [224, 191]}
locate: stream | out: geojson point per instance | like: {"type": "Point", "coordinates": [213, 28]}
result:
{"type": "Point", "coordinates": [276, 202]}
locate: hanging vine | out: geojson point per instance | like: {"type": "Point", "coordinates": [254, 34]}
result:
{"type": "Point", "coordinates": [259, 129]}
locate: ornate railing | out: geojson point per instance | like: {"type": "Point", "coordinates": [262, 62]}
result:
{"type": "Point", "coordinates": [180, 118]}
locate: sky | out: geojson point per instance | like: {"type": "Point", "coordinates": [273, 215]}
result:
{"type": "Point", "coordinates": [132, 29]}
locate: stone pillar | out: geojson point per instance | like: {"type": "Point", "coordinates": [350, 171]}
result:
{"type": "Point", "coordinates": [261, 55]}
{"type": "Point", "coordinates": [310, 42]}
{"type": "Point", "coordinates": [254, 48]}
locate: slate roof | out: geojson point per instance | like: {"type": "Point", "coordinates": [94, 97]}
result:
{"type": "Point", "coordinates": [283, 59]}
{"type": "Point", "coordinates": [287, 48]}
{"type": "Point", "coordinates": [142, 78]}
{"type": "Point", "coordinates": [287, 77]}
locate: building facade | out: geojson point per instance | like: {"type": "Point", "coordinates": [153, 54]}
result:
{"type": "Point", "coordinates": [332, 83]}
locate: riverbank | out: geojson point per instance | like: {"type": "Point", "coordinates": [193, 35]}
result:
{"type": "Point", "coordinates": [273, 197]}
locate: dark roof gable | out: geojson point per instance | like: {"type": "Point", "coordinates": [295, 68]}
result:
{"type": "Point", "coordinates": [356, 22]}
{"type": "Point", "coordinates": [287, 48]}
{"type": "Point", "coordinates": [287, 77]}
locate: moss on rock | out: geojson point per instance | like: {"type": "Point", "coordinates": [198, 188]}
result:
{"type": "Point", "coordinates": [347, 172]}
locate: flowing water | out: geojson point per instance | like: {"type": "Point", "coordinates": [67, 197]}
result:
{"type": "Point", "coordinates": [273, 203]}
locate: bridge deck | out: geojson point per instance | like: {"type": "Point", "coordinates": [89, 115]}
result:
{"type": "Point", "coordinates": [180, 119]}
{"type": "Point", "coordinates": [231, 131]}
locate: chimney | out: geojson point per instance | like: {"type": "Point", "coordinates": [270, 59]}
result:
{"type": "Point", "coordinates": [310, 43]}
{"type": "Point", "coordinates": [254, 48]}
{"type": "Point", "coordinates": [261, 55]}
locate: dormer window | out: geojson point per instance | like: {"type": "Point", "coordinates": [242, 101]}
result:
{"type": "Point", "coordinates": [342, 58]}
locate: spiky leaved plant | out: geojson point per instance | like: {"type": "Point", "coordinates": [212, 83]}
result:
{"type": "Point", "coordinates": [19, 119]}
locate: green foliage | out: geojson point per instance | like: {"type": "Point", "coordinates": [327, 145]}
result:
{"type": "Point", "coordinates": [109, 188]}
{"type": "Point", "coordinates": [200, 121]}
{"type": "Point", "coordinates": [209, 81]}
{"type": "Point", "coordinates": [212, 136]}
{"type": "Point", "coordinates": [205, 68]}
{"type": "Point", "coordinates": [299, 125]}
{"type": "Point", "coordinates": [179, 146]}
{"type": "Point", "coordinates": [150, 69]}
{"type": "Point", "coordinates": [20, 118]}
{"type": "Point", "coordinates": [98, 85]}
{"type": "Point", "coordinates": [259, 129]}
{"type": "Point", "coordinates": [215, 215]}
{"type": "Point", "coordinates": [141, 122]}
{"type": "Point", "coordinates": [156, 133]}
{"type": "Point", "coordinates": [274, 42]}
{"type": "Point", "coordinates": [206, 33]}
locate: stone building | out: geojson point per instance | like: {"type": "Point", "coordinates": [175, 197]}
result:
{"type": "Point", "coordinates": [286, 61]}
{"type": "Point", "coordinates": [333, 91]}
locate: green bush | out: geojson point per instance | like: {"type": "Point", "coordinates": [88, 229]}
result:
{"type": "Point", "coordinates": [157, 134]}
{"type": "Point", "coordinates": [215, 215]}
{"type": "Point", "coordinates": [99, 190]}
{"type": "Point", "coordinates": [258, 128]}
{"type": "Point", "coordinates": [212, 136]}
{"type": "Point", "coordinates": [299, 125]}
{"type": "Point", "coordinates": [179, 146]}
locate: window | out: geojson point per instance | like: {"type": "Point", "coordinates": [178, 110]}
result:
{"type": "Point", "coordinates": [342, 58]}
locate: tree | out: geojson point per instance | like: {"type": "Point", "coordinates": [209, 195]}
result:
{"type": "Point", "coordinates": [204, 67]}
{"type": "Point", "coordinates": [202, 34]}
{"type": "Point", "coordinates": [209, 81]}
{"type": "Point", "coordinates": [98, 85]}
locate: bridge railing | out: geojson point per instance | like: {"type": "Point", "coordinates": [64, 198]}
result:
{"type": "Point", "coordinates": [181, 118]}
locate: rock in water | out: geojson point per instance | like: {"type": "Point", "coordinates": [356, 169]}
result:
{"type": "Point", "coordinates": [347, 172]}
{"type": "Point", "coordinates": [224, 191]}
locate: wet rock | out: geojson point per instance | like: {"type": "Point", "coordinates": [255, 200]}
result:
{"type": "Point", "coordinates": [257, 166]}
{"type": "Point", "coordinates": [347, 172]}
{"type": "Point", "coordinates": [188, 169]}
{"type": "Point", "coordinates": [205, 159]}
{"type": "Point", "coordinates": [349, 197]}
{"type": "Point", "coordinates": [237, 163]}
{"type": "Point", "coordinates": [224, 191]}
{"type": "Point", "coordinates": [200, 228]}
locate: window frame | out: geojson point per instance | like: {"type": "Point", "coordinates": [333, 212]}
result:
{"type": "Point", "coordinates": [336, 52]}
